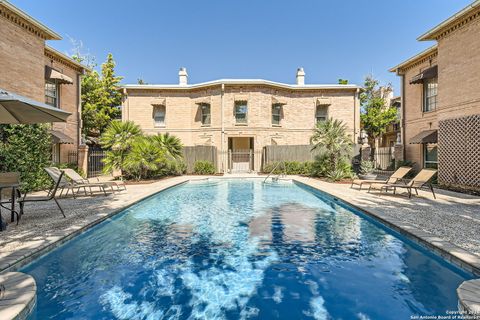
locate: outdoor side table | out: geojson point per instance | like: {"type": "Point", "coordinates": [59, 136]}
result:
{"type": "Point", "coordinates": [14, 187]}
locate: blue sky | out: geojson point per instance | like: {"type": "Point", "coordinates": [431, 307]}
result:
{"type": "Point", "coordinates": [246, 39]}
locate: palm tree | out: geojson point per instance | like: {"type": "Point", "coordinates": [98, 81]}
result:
{"type": "Point", "coordinates": [171, 145]}
{"type": "Point", "coordinates": [118, 139]}
{"type": "Point", "coordinates": [331, 139]}
{"type": "Point", "coordinates": [143, 158]}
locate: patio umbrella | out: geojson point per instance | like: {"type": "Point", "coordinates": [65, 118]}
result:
{"type": "Point", "coordinates": [15, 108]}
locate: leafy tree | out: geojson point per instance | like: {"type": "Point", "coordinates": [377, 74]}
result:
{"type": "Point", "coordinates": [141, 81]}
{"type": "Point", "coordinates": [100, 98]}
{"type": "Point", "coordinates": [118, 138]}
{"type": "Point", "coordinates": [334, 145]}
{"type": "Point", "coordinates": [26, 149]}
{"type": "Point", "coordinates": [376, 113]}
{"type": "Point", "coordinates": [172, 145]}
{"type": "Point", "coordinates": [342, 81]}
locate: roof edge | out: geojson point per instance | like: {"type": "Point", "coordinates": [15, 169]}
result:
{"type": "Point", "coordinates": [51, 35]}
{"type": "Point", "coordinates": [432, 33]}
{"type": "Point", "coordinates": [415, 58]}
{"type": "Point", "coordinates": [240, 82]}
{"type": "Point", "coordinates": [67, 58]}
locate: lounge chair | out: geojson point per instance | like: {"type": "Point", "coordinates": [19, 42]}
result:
{"type": "Point", "coordinates": [397, 176]}
{"type": "Point", "coordinates": [421, 180]}
{"type": "Point", "coordinates": [52, 195]}
{"type": "Point", "coordinates": [80, 182]}
{"type": "Point", "coordinates": [111, 180]}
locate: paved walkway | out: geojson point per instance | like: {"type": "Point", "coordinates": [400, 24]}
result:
{"type": "Point", "coordinates": [454, 217]}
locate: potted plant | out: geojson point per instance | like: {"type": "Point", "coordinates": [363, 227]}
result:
{"type": "Point", "coordinates": [366, 170]}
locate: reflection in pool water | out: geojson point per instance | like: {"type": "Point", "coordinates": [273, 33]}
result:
{"type": "Point", "coordinates": [240, 249]}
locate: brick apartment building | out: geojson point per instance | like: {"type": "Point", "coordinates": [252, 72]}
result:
{"type": "Point", "coordinates": [31, 68]}
{"type": "Point", "coordinates": [236, 115]}
{"type": "Point", "coordinates": [441, 101]}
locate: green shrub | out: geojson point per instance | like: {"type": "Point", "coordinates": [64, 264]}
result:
{"type": "Point", "coordinates": [139, 156]}
{"type": "Point", "coordinates": [331, 139]}
{"type": "Point", "coordinates": [367, 167]}
{"type": "Point", "coordinates": [26, 149]}
{"type": "Point", "coordinates": [289, 167]}
{"type": "Point", "coordinates": [144, 159]}
{"type": "Point", "coordinates": [172, 168]}
{"type": "Point", "coordinates": [203, 167]}
{"type": "Point", "coordinates": [322, 168]}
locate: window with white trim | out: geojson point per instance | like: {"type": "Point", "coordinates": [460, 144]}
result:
{"type": "Point", "coordinates": [276, 113]}
{"type": "Point", "coordinates": [206, 117]}
{"type": "Point", "coordinates": [159, 116]}
{"type": "Point", "coordinates": [241, 110]}
{"type": "Point", "coordinates": [430, 87]}
{"type": "Point", "coordinates": [51, 93]}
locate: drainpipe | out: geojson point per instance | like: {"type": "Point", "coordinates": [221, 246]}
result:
{"type": "Point", "coordinates": [222, 133]}
{"type": "Point", "coordinates": [79, 110]}
{"type": "Point", "coordinates": [125, 106]}
{"type": "Point", "coordinates": [402, 121]}
{"type": "Point", "coordinates": [355, 115]}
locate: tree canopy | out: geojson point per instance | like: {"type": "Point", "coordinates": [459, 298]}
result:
{"type": "Point", "coordinates": [100, 98]}
{"type": "Point", "coordinates": [376, 114]}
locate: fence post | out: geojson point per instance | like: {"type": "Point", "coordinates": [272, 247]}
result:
{"type": "Point", "coordinates": [398, 153]}
{"type": "Point", "coordinates": [82, 158]}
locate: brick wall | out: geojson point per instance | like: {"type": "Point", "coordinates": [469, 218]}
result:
{"type": "Point", "coordinates": [69, 102]}
{"type": "Point", "coordinates": [23, 57]}
{"type": "Point", "coordinates": [21, 61]}
{"type": "Point", "coordinates": [416, 120]}
{"type": "Point", "coordinates": [183, 115]}
{"type": "Point", "coordinates": [459, 72]}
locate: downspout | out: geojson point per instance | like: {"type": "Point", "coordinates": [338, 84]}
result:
{"type": "Point", "coordinates": [355, 138]}
{"type": "Point", "coordinates": [222, 133]}
{"type": "Point", "coordinates": [79, 110]}
{"type": "Point", "coordinates": [125, 106]}
{"type": "Point", "coordinates": [402, 121]}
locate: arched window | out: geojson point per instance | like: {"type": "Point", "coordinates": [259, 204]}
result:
{"type": "Point", "coordinates": [159, 116]}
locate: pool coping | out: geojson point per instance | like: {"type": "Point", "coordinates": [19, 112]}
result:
{"type": "Point", "coordinates": [469, 301]}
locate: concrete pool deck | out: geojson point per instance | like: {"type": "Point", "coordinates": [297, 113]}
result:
{"type": "Point", "coordinates": [449, 225]}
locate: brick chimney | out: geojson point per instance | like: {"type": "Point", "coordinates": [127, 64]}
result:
{"type": "Point", "coordinates": [183, 77]}
{"type": "Point", "coordinates": [300, 77]}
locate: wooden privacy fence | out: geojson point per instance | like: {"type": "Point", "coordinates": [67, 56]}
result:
{"type": "Point", "coordinates": [192, 154]}
{"type": "Point", "coordinates": [300, 153]}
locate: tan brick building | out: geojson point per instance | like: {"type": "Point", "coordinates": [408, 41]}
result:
{"type": "Point", "coordinates": [237, 115]}
{"type": "Point", "coordinates": [29, 67]}
{"type": "Point", "coordinates": [441, 100]}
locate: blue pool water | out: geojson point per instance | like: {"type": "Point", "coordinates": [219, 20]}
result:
{"type": "Point", "coordinates": [240, 249]}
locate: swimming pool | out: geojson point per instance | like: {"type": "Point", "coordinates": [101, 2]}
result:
{"type": "Point", "coordinates": [241, 249]}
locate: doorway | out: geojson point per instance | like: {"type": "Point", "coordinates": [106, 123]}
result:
{"type": "Point", "coordinates": [240, 154]}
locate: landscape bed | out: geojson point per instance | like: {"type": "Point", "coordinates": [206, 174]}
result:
{"type": "Point", "coordinates": [231, 248]}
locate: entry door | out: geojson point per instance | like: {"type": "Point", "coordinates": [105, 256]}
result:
{"type": "Point", "coordinates": [241, 154]}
